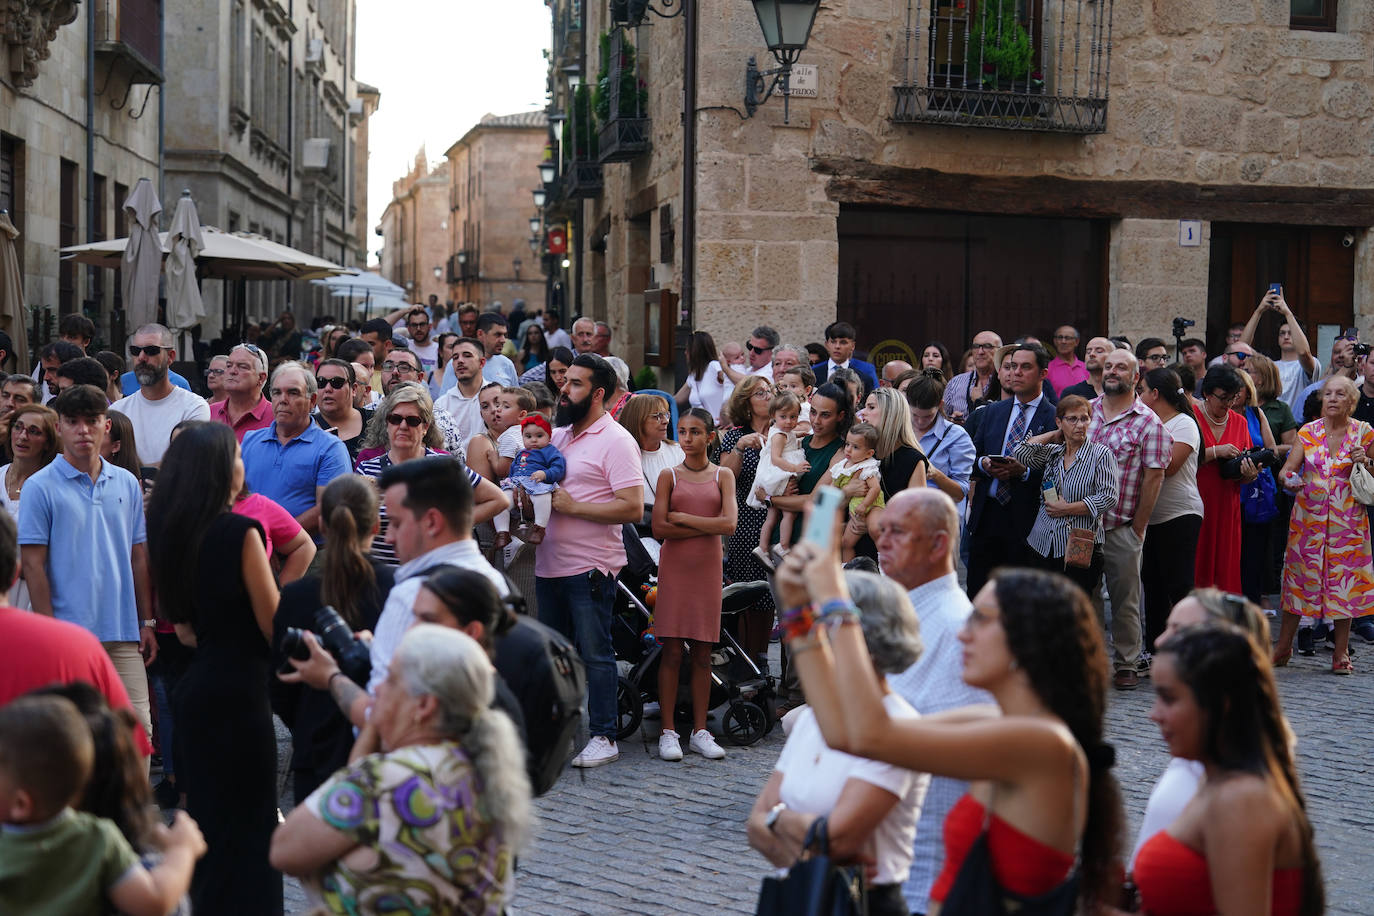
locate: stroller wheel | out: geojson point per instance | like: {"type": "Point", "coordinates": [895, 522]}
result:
{"type": "Point", "coordinates": [629, 711]}
{"type": "Point", "coordinates": [745, 723]}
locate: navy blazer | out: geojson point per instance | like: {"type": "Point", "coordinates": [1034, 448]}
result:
{"type": "Point", "coordinates": [987, 439]}
{"type": "Point", "coordinates": [865, 370]}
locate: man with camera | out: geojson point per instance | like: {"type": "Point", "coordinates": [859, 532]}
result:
{"type": "Point", "coordinates": [429, 504]}
{"type": "Point", "coordinates": [1297, 366]}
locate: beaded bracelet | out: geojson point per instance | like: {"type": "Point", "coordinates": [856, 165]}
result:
{"type": "Point", "coordinates": [837, 612]}
{"type": "Point", "coordinates": [796, 622]}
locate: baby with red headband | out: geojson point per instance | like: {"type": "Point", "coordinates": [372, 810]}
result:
{"type": "Point", "coordinates": [535, 470]}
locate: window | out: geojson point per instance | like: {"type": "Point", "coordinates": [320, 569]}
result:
{"type": "Point", "coordinates": [238, 72]}
{"type": "Point", "coordinates": [68, 206]}
{"type": "Point", "coordinates": [12, 179]}
{"type": "Point", "coordinates": [1315, 15]}
{"type": "Point", "coordinates": [257, 110]}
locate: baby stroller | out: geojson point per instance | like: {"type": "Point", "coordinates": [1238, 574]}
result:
{"type": "Point", "coordinates": [737, 682]}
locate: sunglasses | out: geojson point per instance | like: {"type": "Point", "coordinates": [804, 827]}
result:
{"type": "Point", "coordinates": [395, 419]}
{"type": "Point", "coordinates": [1240, 357]}
{"type": "Point", "coordinates": [754, 349]}
{"type": "Point", "coordinates": [147, 351]}
{"type": "Point", "coordinates": [210, 372]}
{"type": "Point", "coordinates": [336, 383]}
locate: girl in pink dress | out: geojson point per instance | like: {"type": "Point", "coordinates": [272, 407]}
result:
{"type": "Point", "coordinates": [694, 509]}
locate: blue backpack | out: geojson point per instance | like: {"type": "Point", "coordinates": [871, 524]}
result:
{"type": "Point", "coordinates": [1259, 497]}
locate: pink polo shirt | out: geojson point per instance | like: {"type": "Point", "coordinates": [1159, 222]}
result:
{"type": "Point", "coordinates": [260, 417]}
{"type": "Point", "coordinates": [602, 459]}
{"type": "Point", "coordinates": [1062, 374]}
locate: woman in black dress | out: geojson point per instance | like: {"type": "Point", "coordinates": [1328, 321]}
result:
{"type": "Point", "coordinates": [214, 583]}
{"type": "Point", "coordinates": [740, 446]}
{"type": "Point", "coordinates": [356, 586]}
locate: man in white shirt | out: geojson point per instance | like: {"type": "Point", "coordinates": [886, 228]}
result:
{"type": "Point", "coordinates": [418, 324]}
{"type": "Point", "coordinates": [917, 539]}
{"type": "Point", "coordinates": [555, 336]}
{"type": "Point", "coordinates": [1298, 368]}
{"type": "Point", "coordinates": [158, 405]}
{"type": "Point", "coordinates": [460, 401]}
{"type": "Point", "coordinates": [762, 342]}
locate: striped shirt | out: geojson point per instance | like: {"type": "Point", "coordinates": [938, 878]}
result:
{"type": "Point", "coordinates": [372, 468]}
{"type": "Point", "coordinates": [1091, 479]}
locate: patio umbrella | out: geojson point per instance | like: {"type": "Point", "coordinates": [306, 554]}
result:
{"type": "Point", "coordinates": [185, 308]}
{"type": "Point", "coordinates": [12, 315]}
{"type": "Point", "coordinates": [142, 255]}
{"type": "Point", "coordinates": [226, 256]}
{"type": "Point", "coordinates": [361, 285]}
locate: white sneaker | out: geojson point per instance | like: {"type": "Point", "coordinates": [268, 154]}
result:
{"type": "Point", "coordinates": [670, 746]}
{"type": "Point", "coordinates": [599, 751]}
{"type": "Point", "coordinates": [704, 744]}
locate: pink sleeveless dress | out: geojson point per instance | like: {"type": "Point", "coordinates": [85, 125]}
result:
{"type": "Point", "coordinates": [689, 569]}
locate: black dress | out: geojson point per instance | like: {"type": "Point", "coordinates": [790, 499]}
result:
{"type": "Point", "coordinates": [320, 735]}
{"type": "Point", "coordinates": [895, 470]}
{"type": "Point", "coordinates": [226, 744]}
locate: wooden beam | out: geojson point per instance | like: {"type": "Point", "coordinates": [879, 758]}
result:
{"type": "Point", "coordinates": [866, 183]}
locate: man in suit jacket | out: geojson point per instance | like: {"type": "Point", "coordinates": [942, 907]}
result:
{"type": "Point", "coordinates": [1006, 495]}
{"type": "Point", "coordinates": [839, 342]}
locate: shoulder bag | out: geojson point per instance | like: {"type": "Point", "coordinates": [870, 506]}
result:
{"type": "Point", "coordinates": [1259, 497]}
{"type": "Point", "coordinates": [1361, 480]}
{"type": "Point", "coordinates": [815, 885]}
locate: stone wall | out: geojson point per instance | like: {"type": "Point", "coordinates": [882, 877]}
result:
{"type": "Point", "coordinates": [1153, 279]}
{"type": "Point", "coordinates": [415, 231]}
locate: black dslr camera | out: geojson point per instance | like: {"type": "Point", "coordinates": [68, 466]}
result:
{"type": "Point", "coordinates": [1181, 326]}
{"type": "Point", "coordinates": [1262, 457]}
{"type": "Point", "coordinates": [353, 655]}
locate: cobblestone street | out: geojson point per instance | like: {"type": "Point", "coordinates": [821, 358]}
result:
{"type": "Point", "coordinates": [643, 836]}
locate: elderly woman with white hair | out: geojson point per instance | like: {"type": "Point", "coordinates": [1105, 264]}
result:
{"type": "Point", "coordinates": [432, 823]}
{"type": "Point", "coordinates": [871, 808]}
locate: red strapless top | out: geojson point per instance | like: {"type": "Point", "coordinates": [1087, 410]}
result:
{"type": "Point", "coordinates": [1021, 864]}
{"type": "Point", "coordinates": [1173, 881]}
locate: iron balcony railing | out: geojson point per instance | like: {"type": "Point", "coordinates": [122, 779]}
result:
{"type": "Point", "coordinates": [1036, 65]}
{"type": "Point", "coordinates": [620, 102]}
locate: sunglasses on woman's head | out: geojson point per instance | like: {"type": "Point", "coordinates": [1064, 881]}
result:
{"type": "Point", "coordinates": [395, 419]}
{"type": "Point", "coordinates": [336, 383]}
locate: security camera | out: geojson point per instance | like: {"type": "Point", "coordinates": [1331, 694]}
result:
{"type": "Point", "coordinates": [1347, 240]}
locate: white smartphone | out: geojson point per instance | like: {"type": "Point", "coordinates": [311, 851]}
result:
{"type": "Point", "coordinates": [820, 527]}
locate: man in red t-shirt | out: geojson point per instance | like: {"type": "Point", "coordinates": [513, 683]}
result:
{"type": "Point", "coordinates": [36, 650]}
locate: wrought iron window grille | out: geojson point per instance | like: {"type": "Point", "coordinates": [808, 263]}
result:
{"type": "Point", "coordinates": [1034, 65]}
{"type": "Point", "coordinates": [620, 102]}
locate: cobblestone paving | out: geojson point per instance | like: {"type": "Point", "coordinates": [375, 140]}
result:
{"type": "Point", "coordinates": [642, 836]}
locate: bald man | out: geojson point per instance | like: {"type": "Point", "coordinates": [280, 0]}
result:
{"type": "Point", "coordinates": [917, 539]}
{"type": "Point", "coordinates": [891, 369]}
{"type": "Point", "coordinates": [965, 390]}
{"type": "Point", "coordinates": [1094, 358]}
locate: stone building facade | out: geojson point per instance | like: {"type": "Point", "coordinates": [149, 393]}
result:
{"type": "Point", "coordinates": [414, 230]}
{"type": "Point", "coordinates": [265, 126]}
{"type": "Point", "coordinates": [492, 171]}
{"type": "Point", "coordinates": [73, 140]}
{"type": "Point", "coordinates": [1155, 160]}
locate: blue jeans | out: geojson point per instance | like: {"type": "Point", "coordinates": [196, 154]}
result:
{"type": "Point", "coordinates": [580, 607]}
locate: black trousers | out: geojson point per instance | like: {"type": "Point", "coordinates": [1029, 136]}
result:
{"type": "Point", "coordinates": [1255, 558]}
{"type": "Point", "coordinates": [1167, 566]}
{"type": "Point", "coordinates": [999, 541]}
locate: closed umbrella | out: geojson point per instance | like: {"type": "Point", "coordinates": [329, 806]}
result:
{"type": "Point", "coordinates": [12, 315]}
{"type": "Point", "coordinates": [185, 308]}
{"type": "Point", "coordinates": [142, 260]}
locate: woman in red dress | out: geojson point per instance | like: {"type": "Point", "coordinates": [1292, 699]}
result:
{"type": "Point", "coordinates": [1225, 434]}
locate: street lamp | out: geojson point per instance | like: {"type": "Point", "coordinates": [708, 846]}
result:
{"type": "Point", "coordinates": [540, 195]}
{"type": "Point", "coordinates": [546, 172]}
{"type": "Point", "coordinates": [438, 273]}
{"type": "Point", "coordinates": [534, 243]}
{"type": "Point", "coordinates": [534, 225]}
{"type": "Point", "coordinates": [462, 257]}
{"type": "Point", "coordinates": [786, 26]}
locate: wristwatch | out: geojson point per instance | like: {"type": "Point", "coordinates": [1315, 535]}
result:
{"type": "Point", "coordinates": [774, 813]}
{"type": "Point", "coordinates": [151, 624]}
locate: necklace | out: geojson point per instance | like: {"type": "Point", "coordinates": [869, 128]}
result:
{"type": "Point", "coordinates": [13, 489]}
{"type": "Point", "coordinates": [702, 468]}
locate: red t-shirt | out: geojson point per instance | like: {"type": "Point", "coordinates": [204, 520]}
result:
{"type": "Point", "coordinates": [36, 651]}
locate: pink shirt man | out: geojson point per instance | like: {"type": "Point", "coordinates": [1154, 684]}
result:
{"type": "Point", "coordinates": [1062, 374]}
{"type": "Point", "coordinates": [259, 417]}
{"type": "Point", "coordinates": [603, 459]}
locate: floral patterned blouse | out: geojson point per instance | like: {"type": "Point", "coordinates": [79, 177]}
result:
{"type": "Point", "coordinates": [426, 844]}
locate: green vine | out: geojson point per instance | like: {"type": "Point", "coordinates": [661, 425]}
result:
{"type": "Point", "coordinates": [634, 94]}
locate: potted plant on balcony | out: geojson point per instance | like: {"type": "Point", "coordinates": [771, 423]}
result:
{"type": "Point", "coordinates": [1004, 47]}
{"type": "Point", "coordinates": [579, 145]}
{"type": "Point", "coordinates": [620, 101]}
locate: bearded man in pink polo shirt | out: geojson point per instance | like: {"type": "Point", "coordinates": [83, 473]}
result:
{"type": "Point", "coordinates": [582, 551]}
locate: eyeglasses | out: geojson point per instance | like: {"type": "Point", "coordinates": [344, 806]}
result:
{"type": "Point", "coordinates": [754, 349]}
{"type": "Point", "coordinates": [403, 368]}
{"type": "Point", "coordinates": [660, 416]}
{"type": "Point", "coordinates": [984, 346]}
{"type": "Point", "coordinates": [1160, 358]}
{"type": "Point", "coordinates": [33, 432]}
{"type": "Point", "coordinates": [1065, 337]}
{"type": "Point", "coordinates": [210, 372]}
{"type": "Point", "coordinates": [417, 324]}
{"type": "Point", "coordinates": [1240, 357]}
{"type": "Point", "coordinates": [395, 419]}
{"type": "Point", "coordinates": [336, 383]}
{"type": "Point", "coordinates": [146, 351]}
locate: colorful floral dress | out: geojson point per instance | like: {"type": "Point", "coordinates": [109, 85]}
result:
{"type": "Point", "coordinates": [1328, 570]}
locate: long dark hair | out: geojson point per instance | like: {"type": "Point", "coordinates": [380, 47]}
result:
{"type": "Point", "coordinates": [348, 508]}
{"type": "Point", "coordinates": [842, 400]}
{"type": "Point", "coordinates": [193, 488]}
{"type": "Point", "coordinates": [1170, 387]}
{"type": "Point", "coordinates": [1054, 636]}
{"type": "Point", "coordinates": [562, 354]}
{"type": "Point", "coordinates": [1244, 729]}
{"type": "Point", "coordinates": [541, 349]}
{"type": "Point", "coordinates": [470, 597]}
{"type": "Point", "coordinates": [122, 431]}
{"type": "Point", "coordinates": [946, 364]}
{"type": "Point", "coordinates": [701, 349]}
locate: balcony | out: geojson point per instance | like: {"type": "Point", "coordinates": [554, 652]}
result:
{"type": "Point", "coordinates": [128, 37]}
{"type": "Point", "coordinates": [1026, 65]}
{"type": "Point", "coordinates": [620, 102]}
{"type": "Point", "coordinates": [579, 173]}
{"type": "Point", "coordinates": [580, 180]}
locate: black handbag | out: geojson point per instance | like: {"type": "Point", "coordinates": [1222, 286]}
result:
{"type": "Point", "coordinates": [815, 885]}
{"type": "Point", "coordinates": [976, 892]}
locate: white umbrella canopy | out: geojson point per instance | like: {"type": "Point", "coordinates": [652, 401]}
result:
{"type": "Point", "coordinates": [361, 285]}
{"type": "Point", "coordinates": [141, 256]}
{"type": "Point", "coordinates": [185, 308]}
{"type": "Point", "coordinates": [12, 315]}
{"type": "Point", "coordinates": [234, 256]}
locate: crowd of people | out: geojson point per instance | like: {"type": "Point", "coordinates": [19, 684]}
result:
{"type": "Point", "coordinates": [390, 472]}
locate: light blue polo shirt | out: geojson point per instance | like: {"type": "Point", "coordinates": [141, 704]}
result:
{"type": "Point", "coordinates": [90, 530]}
{"type": "Point", "coordinates": [288, 474]}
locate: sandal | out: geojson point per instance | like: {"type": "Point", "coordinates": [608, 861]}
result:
{"type": "Point", "coordinates": [1342, 667]}
{"type": "Point", "coordinates": [1281, 659]}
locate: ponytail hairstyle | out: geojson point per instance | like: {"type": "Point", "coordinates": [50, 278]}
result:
{"type": "Point", "coordinates": [1053, 634]}
{"type": "Point", "coordinates": [348, 513]}
{"type": "Point", "coordinates": [1244, 729]}
{"type": "Point", "coordinates": [1170, 387]}
{"type": "Point", "coordinates": [700, 413]}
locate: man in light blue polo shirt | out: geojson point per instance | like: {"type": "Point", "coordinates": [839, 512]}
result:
{"type": "Point", "coordinates": [293, 460]}
{"type": "Point", "coordinates": [83, 544]}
